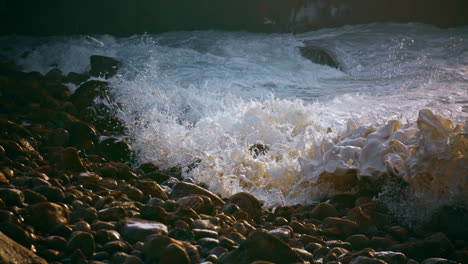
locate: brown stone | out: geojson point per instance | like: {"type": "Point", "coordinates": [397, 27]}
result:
{"type": "Point", "coordinates": [182, 189]}
{"type": "Point", "coordinates": [324, 210]}
{"type": "Point", "coordinates": [155, 249]}
{"type": "Point", "coordinates": [339, 227]}
{"type": "Point", "coordinates": [46, 215]}
{"type": "Point", "coordinates": [248, 203]}
{"type": "Point", "coordinates": [12, 253]}
{"type": "Point", "coordinates": [83, 241]}
{"type": "Point", "coordinates": [261, 246]}
{"type": "Point", "coordinates": [152, 189]}
{"type": "Point", "coordinates": [358, 241]}
{"type": "Point", "coordinates": [200, 203]}
{"type": "Point", "coordinates": [134, 230]}
{"type": "Point", "coordinates": [112, 213]}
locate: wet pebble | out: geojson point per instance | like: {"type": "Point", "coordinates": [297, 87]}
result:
{"type": "Point", "coordinates": [83, 241]}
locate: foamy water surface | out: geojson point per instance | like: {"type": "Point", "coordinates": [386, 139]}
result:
{"type": "Point", "coordinates": [208, 96]}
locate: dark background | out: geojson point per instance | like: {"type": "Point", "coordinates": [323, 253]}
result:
{"type": "Point", "coordinates": [127, 17]}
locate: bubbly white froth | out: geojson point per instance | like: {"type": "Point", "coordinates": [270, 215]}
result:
{"type": "Point", "coordinates": [211, 95]}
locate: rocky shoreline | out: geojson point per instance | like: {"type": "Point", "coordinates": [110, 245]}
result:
{"type": "Point", "coordinates": [68, 195]}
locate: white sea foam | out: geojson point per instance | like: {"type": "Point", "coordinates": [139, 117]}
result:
{"type": "Point", "coordinates": [210, 95]}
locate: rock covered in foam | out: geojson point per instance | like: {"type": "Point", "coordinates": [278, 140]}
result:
{"type": "Point", "coordinates": [430, 155]}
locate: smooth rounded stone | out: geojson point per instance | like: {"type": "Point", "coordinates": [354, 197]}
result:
{"type": "Point", "coordinates": [131, 259]}
{"type": "Point", "coordinates": [261, 246]}
{"type": "Point", "coordinates": [133, 193]}
{"type": "Point", "coordinates": [9, 217]}
{"type": "Point", "coordinates": [438, 261]}
{"type": "Point", "coordinates": [32, 197]}
{"type": "Point", "coordinates": [59, 137]}
{"type": "Point", "coordinates": [12, 252]}
{"type": "Point", "coordinates": [364, 221]}
{"type": "Point", "coordinates": [321, 251]}
{"type": "Point", "coordinates": [298, 227]}
{"type": "Point", "coordinates": [102, 255]}
{"type": "Point", "coordinates": [104, 236]}
{"type": "Point", "coordinates": [339, 227]}
{"type": "Point", "coordinates": [112, 214]}
{"type": "Point", "coordinates": [134, 230]}
{"type": "Point", "coordinates": [102, 66]}
{"type": "Point", "coordinates": [88, 214]}
{"type": "Point", "coordinates": [67, 159]}
{"type": "Point", "coordinates": [200, 233]}
{"type": "Point", "coordinates": [83, 135]}
{"type": "Point", "coordinates": [55, 242]}
{"type": "Point", "coordinates": [358, 241]}
{"type": "Point", "coordinates": [181, 224]}
{"type": "Point", "coordinates": [12, 197]}
{"type": "Point", "coordinates": [306, 239]}
{"type": "Point", "coordinates": [40, 182]}
{"type": "Point", "coordinates": [101, 225]}
{"type": "Point", "coordinates": [243, 227]}
{"type": "Point", "coordinates": [115, 150]}
{"type": "Point", "coordinates": [152, 189]}
{"type": "Point", "coordinates": [183, 189]}
{"type": "Point", "coordinates": [208, 242]}
{"type": "Point", "coordinates": [83, 241]}
{"type": "Point", "coordinates": [118, 171]}
{"type": "Point", "coordinates": [319, 55]}
{"type": "Point", "coordinates": [343, 201]}
{"type": "Point", "coordinates": [46, 215]}
{"type": "Point", "coordinates": [174, 253]}
{"type": "Point", "coordinates": [50, 255]}
{"type": "Point", "coordinates": [17, 233]}
{"type": "Point", "coordinates": [200, 203]}
{"type": "Point", "coordinates": [366, 260]}
{"type": "Point", "coordinates": [205, 224]}
{"type": "Point", "coordinates": [85, 94]}
{"type": "Point", "coordinates": [382, 243]}
{"type": "Point", "coordinates": [230, 208]}
{"type": "Point", "coordinates": [116, 246]}
{"type": "Point", "coordinates": [77, 257]}
{"type": "Point", "coordinates": [217, 251]}
{"type": "Point", "coordinates": [338, 243]}
{"type": "Point", "coordinates": [391, 257]}
{"type": "Point", "coordinates": [247, 203]}
{"type": "Point", "coordinates": [154, 246]}
{"type": "Point", "coordinates": [154, 213]}
{"type": "Point", "coordinates": [399, 233]}
{"type": "Point", "coordinates": [53, 194]}
{"type": "Point", "coordinates": [281, 233]}
{"type": "Point", "coordinates": [311, 247]}
{"type": "Point", "coordinates": [324, 210]}
{"type": "Point", "coordinates": [181, 234]}
{"type": "Point", "coordinates": [304, 254]}
{"type": "Point", "coordinates": [236, 236]}
{"type": "Point", "coordinates": [62, 230]}
{"type": "Point", "coordinates": [3, 178]}
{"type": "Point", "coordinates": [227, 243]}
{"type": "Point", "coordinates": [148, 167]}
{"type": "Point", "coordinates": [82, 226]}
{"type": "Point", "coordinates": [279, 221]}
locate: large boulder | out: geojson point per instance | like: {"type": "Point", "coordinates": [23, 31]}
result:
{"type": "Point", "coordinates": [102, 66]}
{"type": "Point", "coordinates": [12, 252]}
{"type": "Point", "coordinates": [319, 55]}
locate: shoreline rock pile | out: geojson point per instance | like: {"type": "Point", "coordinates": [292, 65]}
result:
{"type": "Point", "coordinates": [68, 197]}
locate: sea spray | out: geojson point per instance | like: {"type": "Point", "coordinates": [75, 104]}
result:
{"type": "Point", "coordinates": [209, 96]}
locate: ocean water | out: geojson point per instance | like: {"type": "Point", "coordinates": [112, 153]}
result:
{"type": "Point", "coordinates": [396, 110]}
